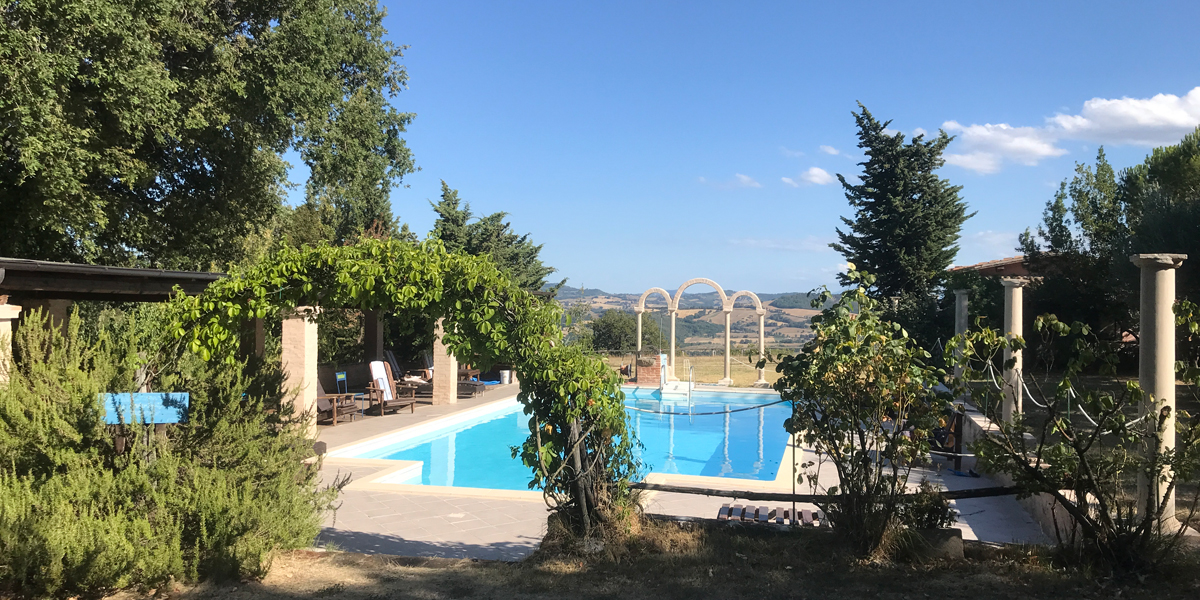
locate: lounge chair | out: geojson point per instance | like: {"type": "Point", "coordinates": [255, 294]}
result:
{"type": "Point", "coordinates": [335, 406]}
{"type": "Point", "coordinates": [385, 392]}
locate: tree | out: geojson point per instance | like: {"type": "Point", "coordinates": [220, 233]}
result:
{"type": "Point", "coordinates": [1082, 250]}
{"type": "Point", "coordinates": [616, 331]}
{"type": "Point", "coordinates": [907, 220]}
{"type": "Point", "coordinates": [491, 235]}
{"type": "Point", "coordinates": [151, 133]}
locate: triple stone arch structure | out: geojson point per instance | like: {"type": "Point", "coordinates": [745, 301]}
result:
{"type": "Point", "coordinates": [726, 307]}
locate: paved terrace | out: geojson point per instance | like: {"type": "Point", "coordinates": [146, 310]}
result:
{"type": "Point", "coordinates": [436, 524]}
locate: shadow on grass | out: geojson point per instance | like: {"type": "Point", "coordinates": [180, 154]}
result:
{"type": "Point", "coordinates": [378, 543]}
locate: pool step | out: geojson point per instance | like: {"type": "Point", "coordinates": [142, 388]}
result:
{"type": "Point", "coordinates": [766, 515]}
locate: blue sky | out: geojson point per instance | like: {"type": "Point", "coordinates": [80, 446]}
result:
{"type": "Point", "coordinates": [646, 143]}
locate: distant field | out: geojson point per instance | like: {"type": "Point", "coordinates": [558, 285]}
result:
{"type": "Point", "coordinates": [710, 369]}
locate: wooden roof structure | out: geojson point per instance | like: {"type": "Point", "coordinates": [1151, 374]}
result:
{"type": "Point", "coordinates": [44, 280]}
{"type": "Point", "coordinates": [1013, 266]}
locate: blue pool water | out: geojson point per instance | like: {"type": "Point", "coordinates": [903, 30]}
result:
{"type": "Point", "coordinates": [747, 444]}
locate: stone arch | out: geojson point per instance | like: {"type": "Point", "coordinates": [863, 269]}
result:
{"type": "Point", "coordinates": [758, 307]}
{"type": "Point", "coordinates": [689, 283]}
{"type": "Point", "coordinates": [641, 303]}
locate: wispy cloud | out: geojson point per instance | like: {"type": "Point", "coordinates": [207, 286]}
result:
{"type": "Point", "coordinates": [988, 146]}
{"type": "Point", "coordinates": [988, 245]}
{"type": "Point", "coordinates": [919, 131]}
{"type": "Point", "coordinates": [1159, 120]}
{"type": "Point", "coordinates": [789, 181]}
{"type": "Point", "coordinates": [739, 181]}
{"type": "Point", "coordinates": [788, 152]}
{"type": "Point", "coordinates": [830, 150]}
{"type": "Point", "coordinates": [818, 176]}
{"type": "Point", "coordinates": [809, 243]}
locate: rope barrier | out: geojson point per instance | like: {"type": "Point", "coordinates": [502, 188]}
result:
{"type": "Point", "coordinates": [703, 414]}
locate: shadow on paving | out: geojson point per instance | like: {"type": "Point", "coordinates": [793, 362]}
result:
{"type": "Point", "coordinates": [378, 543]}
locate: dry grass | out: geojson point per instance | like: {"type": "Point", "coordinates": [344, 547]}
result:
{"type": "Point", "coordinates": [665, 561]}
{"type": "Point", "coordinates": [710, 369]}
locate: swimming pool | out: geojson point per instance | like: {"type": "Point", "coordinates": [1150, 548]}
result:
{"type": "Point", "coordinates": [473, 450]}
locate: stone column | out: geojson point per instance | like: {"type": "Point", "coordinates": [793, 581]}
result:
{"type": "Point", "coordinates": [762, 347]}
{"type": "Point", "coordinates": [372, 336]}
{"type": "Point", "coordinates": [445, 369]}
{"type": "Point", "coordinates": [961, 319]}
{"type": "Point", "coordinates": [299, 357]}
{"type": "Point", "coordinates": [1156, 365]}
{"type": "Point", "coordinates": [639, 312]}
{"type": "Point", "coordinates": [9, 313]}
{"type": "Point", "coordinates": [671, 359]}
{"type": "Point", "coordinates": [254, 338]}
{"type": "Point", "coordinates": [727, 380]}
{"type": "Point", "coordinates": [58, 312]}
{"type": "Point", "coordinates": [1013, 328]}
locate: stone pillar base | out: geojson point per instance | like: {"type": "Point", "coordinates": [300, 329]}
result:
{"type": "Point", "coordinates": [445, 370]}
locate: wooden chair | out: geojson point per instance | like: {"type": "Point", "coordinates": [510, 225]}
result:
{"type": "Point", "coordinates": [335, 406]}
{"type": "Point", "coordinates": [385, 390]}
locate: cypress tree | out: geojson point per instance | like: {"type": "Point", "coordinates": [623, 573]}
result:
{"type": "Point", "coordinates": [907, 220]}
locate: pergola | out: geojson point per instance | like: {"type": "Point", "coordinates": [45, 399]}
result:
{"type": "Point", "coordinates": [1156, 352]}
{"type": "Point", "coordinates": [29, 284]}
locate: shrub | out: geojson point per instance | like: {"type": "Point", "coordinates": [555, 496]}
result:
{"type": "Point", "coordinates": [211, 497]}
{"type": "Point", "coordinates": [1085, 449]}
{"type": "Point", "coordinates": [863, 396]}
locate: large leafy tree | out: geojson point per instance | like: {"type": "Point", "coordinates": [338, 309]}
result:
{"type": "Point", "coordinates": [616, 331]}
{"type": "Point", "coordinates": [152, 133]}
{"type": "Point", "coordinates": [460, 230]}
{"type": "Point", "coordinates": [1082, 249]}
{"type": "Point", "coordinates": [907, 219]}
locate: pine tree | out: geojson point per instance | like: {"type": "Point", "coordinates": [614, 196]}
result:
{"type": "Point", "coordinates": [907, 219]}
{"type": "Point", "coordinates": [490, 235]}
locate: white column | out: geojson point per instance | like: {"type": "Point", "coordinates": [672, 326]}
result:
{"type": "Point", "coordinates": [961, 318]}
{"type": "Point", "coordinates": [299, 358]}
{"type": "Point", "coordinates": [1156, 366]}
{"type": "Point", "coordinates": [445, 369]}
{"type": "Point", "coordinates": [671, 359]}
{"type": "Point", "coordinates": [1013, 328]}
{"type": "Point", "coordinates": [639, 312]}
{"type": "Point", "coordinates": [762, 347]}
{"type": "Point", "coordinates": [9, 313]}
{"type": "Point", "coordinates": [727, 380]}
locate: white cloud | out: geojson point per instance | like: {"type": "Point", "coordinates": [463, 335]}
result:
{"type": "Point", "coordinates": [818, 176]}
{"type": "Point", "coordinates": [980, 162]}
{"type": "Point", "coordinates": [988, 245]}
{"type": "Point", "coordinates": [809, 243]}
{"type": "Point", "coordinates": [920, 131]}
{"type": "Point", "coordinates": [1160, 120]}
{"type": "Point", "coordinates": [987, 146]}
{"type": "Point", "coordinates": [830, 150]}
{"type": "Point", "coordinates": [739, 181]}
{"type": "Point", "coordinates": [789, 181]}
{"type": "Point", "coordinates": [746, 181]}
{"type": "Point", "coordinates": [788, 152]}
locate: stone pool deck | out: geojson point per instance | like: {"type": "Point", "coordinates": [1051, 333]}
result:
{"type": "Point", "coordinates": [377, 521]}
{"type": "Point", "coordinates": [382, 522]}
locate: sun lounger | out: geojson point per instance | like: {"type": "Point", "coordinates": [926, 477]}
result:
{"type": "Point", "coordinates": [386, 392]}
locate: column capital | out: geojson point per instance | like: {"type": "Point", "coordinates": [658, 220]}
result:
{"type": "Point", "coordinates": [962, 292]}
{"type": "Point", "coordinates": [306, 312]}
{"type": "Point", "coordinates": [639, 310]}
{"type": "Point", "coordinates": [9, 311]}
{"type": "Point", "coordinates": [1011, 282]}
{"type": "Point", "coordinates": [1158, 261]}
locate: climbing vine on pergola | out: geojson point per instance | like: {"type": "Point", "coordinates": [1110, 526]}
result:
{"type": "Point", "coordinates": [579, 449]}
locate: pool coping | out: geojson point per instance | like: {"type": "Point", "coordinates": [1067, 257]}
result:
{"type": "Point", "coordinates": [384, 479]}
